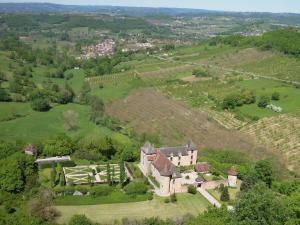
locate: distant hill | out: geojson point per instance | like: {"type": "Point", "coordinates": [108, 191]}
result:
{"type": "Point", "coordinates": [49, 7]}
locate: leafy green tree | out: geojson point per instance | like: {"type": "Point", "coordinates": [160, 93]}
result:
{"type": "Point", "coordinates": [11, 179]}
{"type": "Point", "coordinates": [275, 96]}
{"type": "Point", "coordinates": [113, 175]}
{"type": "Point", "coordinates": [122, 173]}
{"type": "Point", "coordinates": [192, 189]}
{"type": "Point", "coordinates": [263, 172]}
{"type": "Point", "coordinates": [40, 104]}
{"type": "Point", "coordinates": [260, 206]}
{"type": "Point", "coordinates": [53, 176]}
{"type": "Point", "coordinates": [173, 198]}
{"type": "Point", "coordinates": [225, 197]}
{"type": "Point", "coordinates": [61, 145]}
{"type": "Point", "coordinates": [108, 174]}
{"type": "Point", "coordinates": [97, 108]}
{"type": "Point", "coordinates": [248, 183]}
{"type": "Point", "coordinates": [264, 100]}
{"type": "Point", "coordinates": [4, 96]}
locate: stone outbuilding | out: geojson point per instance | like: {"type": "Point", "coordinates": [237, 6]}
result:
{"type": "Point", "coordinates": [202, 167]}
{"type": "Point", "coordinates": [30, 149]}
{"type": "Point", "coordinates": [232, 177]}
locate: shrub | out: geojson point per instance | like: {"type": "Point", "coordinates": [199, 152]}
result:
{"type": "Point", "coordinates": [192, 189]}
{"type": "Point", "coordinates": [173, 198]}
{"type": "Point", "coordinates": [4, 96]}
{"type": "Point", "coordinates": [40, 104]}
{"type": "Point", "coordinates": [101, 190]}
{"type": "Point", "coordinates": [275, 96]}
{"type": "Point", "coordinates": [263, 101]}
{"type": "Point", "coordinates": [200, 73]}
{"type": "Point", "coordinates": [136, 188]}
{"type": "Point", "coordinates": [167, 200]}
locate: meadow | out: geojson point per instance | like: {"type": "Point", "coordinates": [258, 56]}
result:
{"type": "Point", "coordinates": [186, 204]}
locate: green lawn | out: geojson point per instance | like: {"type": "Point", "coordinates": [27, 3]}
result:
{"type": "Point", "coordinates": [112, 198]}
{"type": "Point", "coordinates": [289, 97]}
{"type": "Point", "coordinates": [192, 204]}
{"type": "Point", "coordinates": [41, 125]}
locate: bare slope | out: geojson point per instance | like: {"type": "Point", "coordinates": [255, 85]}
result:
{"type": "Point", "coordinates": [150, 111]}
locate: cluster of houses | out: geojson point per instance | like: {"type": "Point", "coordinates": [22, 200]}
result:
{"type": "Point", "coordinates": [137, 46]}
{"type": "Point", "coordinates": [105, 48]}
{"type": "Point", "coordinates": [162, 164]}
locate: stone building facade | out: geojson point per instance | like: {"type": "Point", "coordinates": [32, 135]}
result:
{"type": "Point", "coordinates": [162, 165]}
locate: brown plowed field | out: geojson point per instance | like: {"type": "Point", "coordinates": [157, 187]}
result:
{"type": "Point", "coordinates": [149, 110]}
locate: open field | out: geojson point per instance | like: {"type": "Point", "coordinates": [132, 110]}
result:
{"type": "Point", "coordinates": [148, 110]}
{"type": "Point", "coordinates": [40, 125]}
{"type": "Point", "coordinates": [186, 204]}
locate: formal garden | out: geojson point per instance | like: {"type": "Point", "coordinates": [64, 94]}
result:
{"type": "Point", "coordinates": [92, 174]}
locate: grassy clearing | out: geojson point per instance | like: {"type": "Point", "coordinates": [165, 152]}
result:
{"type": "Point", "coordinates": [289, 97]}
{"type": "Point", "coordinates": [41, 125]}
{"type": "Point", "coordinates": [192, 204]}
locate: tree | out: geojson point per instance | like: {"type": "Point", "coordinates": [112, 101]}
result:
{"type": "Point", "coordinates": [122, 173]}
{"type": "Point", "coordinates": [53, 176]}
{"type": "Point", "coordinates": [59, 146]}
{"type": "Point", "coordinates": [225, 195]}
{"type": "Point", "coordinates": [108, 175]}
{"type": "Point", "coordinates": [263, 172]}
{"type": "Point", "coordinates": [275, 96]}
{"type": "Point", "coordinates": [40, 104]}
{"type": "Point", "coordinates": [4, 96]}
{"type": "Point", "coordinates": [192, 189]}
{"type": "Point", "coordinates": [84, 92]}
{"type": "Point", "coordinates": [41, 207]}
{"type": "Point", "coordinates": [97, 108]}
{"type": "Point", "coordinates": [259, 206]}
{"type": "Point", "coordinates": [113, 175]}
{"type": "Point", "coordinates": [263, 101]}
{"type": "Point", "coordinates": [11, 179]}
{"type": "Point", "coordinates": [70, 120]}
{"type": "Point", "coordinates": [248, 183]}
{"type": "Point", "coordinates": [173, 198]}
{"type": "Point", "coordinates": [79, 220]}
{"type": "Point", "coordinates": [65, 95]}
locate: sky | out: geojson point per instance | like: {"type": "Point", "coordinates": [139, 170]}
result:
{"type": "Point", "coordinates": [227, 5]}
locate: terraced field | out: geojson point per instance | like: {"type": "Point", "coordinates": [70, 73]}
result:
{"type": "Point", "coordinates": [280, 133]}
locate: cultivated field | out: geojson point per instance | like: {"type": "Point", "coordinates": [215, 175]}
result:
{"type": "Point", "coordinates": [150, 111]}
{"type": "Point", "coordinates": [280, 133]}
{"type": "Point", "coordinates": [186, 204]}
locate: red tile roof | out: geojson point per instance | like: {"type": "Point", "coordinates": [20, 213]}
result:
{"type": "Point", "coordinates": [164, 166]}
{"type": "Point", "coordinates": [30, 148]}
{"type": "Point", "coordinates": [151, 157]}
{"type": "Point", "coordinates": [202, 167]}
{"type": "Point", "coordinates": [232, 171]}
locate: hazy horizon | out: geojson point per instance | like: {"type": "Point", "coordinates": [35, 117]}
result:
{"type": "Point", "coordinates": [280, 6]}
